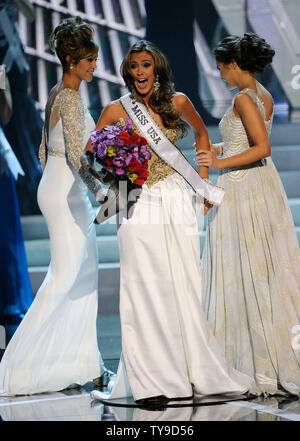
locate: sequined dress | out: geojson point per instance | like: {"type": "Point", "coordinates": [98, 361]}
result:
{"type": "Point", "coordinates": [251, 268]}
{"type": "Point", "coordinates": [168, 348]}
{"type": "Point", "coordinates": [56, 343]}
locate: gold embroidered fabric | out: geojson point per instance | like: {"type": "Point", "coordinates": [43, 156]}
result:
{"type": "Point", "coordinates": [70, 125]}
{"type": "Point", "coordinates": [157, 168]}
{"type": "Point", "coordinates": [56, 152]}
{"type": "Point", "coordinates": [69, 108]}
{"type": "Point", "coordinates": [72, 114]}
{"type": "Point", "coordinates": [42, 151]}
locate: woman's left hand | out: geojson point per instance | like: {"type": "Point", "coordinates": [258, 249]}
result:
{"type": "Point", "coordinates": [207, 158]}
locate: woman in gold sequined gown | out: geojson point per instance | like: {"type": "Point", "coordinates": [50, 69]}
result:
{"type": "Point", "coordinates": [55, 345]}
{"type": "Point", "coordinates": [168, 348]}
{"type": "Point", "coordinates": [251, 260]}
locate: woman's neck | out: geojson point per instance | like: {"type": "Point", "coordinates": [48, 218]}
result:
{"type": "Point", "coordinates": [247, 81]}
{"type": "Point", "coordinates": [146, 98]}
{"type": "Point", "coordinates": [70, 81]}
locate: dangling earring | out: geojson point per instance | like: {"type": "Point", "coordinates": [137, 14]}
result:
{"type": "Point", "coordinates": [71, 66]}
{"type": "Point", "coordinates": [156, 85]}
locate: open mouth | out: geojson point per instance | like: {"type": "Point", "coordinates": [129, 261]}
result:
{"type": "Point", "coordinates": [142, 83]}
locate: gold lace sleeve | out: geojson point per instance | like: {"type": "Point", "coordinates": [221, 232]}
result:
{"type": "Point", "coordinates": [42, 151]}
{"type": "Point", "coordinates": [72, 115]}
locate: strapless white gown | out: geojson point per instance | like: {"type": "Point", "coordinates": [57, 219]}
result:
{"type": "Point", "coordinates": [168, 347]}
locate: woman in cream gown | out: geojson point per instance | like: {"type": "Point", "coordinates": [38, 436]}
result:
{"type": "Point", "coordinates": [55, 345]}
{"type": "Point", "coordinates": [169, 352]}
{"type": "Point", "coordinates": [251, 261]}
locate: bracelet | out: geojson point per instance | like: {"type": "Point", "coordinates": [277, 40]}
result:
{"type": "Point", "coordinates": [220, 148]}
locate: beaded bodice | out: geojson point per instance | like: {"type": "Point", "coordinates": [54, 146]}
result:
{"type": "Point", "coordinates": [157, 168]}
{"type": "Point", "coordinates": [234, 133]}
{"type": "Point", "coordinates": [235, 137]}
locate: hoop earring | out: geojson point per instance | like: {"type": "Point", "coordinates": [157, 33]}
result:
{"type": "Point", "coordinates": [156, 85]}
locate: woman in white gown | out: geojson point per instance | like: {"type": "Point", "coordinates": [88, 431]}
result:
{"type": "Point", "coordinates": [251, 260]}
{"type": "Point", "coordinates": [55, 345]}
{"type": "Point", "coordinates": [169, 351]}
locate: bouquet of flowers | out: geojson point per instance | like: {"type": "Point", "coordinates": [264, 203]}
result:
{"type": "Point", "coordinates": [122, 152]}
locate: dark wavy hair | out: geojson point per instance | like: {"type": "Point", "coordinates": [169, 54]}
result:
{"type": "Point", "coordinates": [73, 37]}
{"type": "Point", "coordinates": [250, 52]}
{"type": "Point", "coordinates": [160, 101]}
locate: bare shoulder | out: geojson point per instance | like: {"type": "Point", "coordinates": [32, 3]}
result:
{"type": "Point", "coordinates": [111, 114]}
{"type": "Point", "coordinates": [242, 98]}
{"type": "Point", "coordinates": [113, 107]}
{"type": "Point", "coordinates": [180, 101]}
{"type": "Point", "coordinates": [243, 101]}
{"type": "Point", "coordinates": [179, 98]}
{"type": "Point", "coordinates": [114, 110]}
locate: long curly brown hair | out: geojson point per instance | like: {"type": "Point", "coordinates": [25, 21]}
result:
{"type": "Point", "coordinates": [161, 100]}
{"type": "Point", "coordinates": [73, 37]}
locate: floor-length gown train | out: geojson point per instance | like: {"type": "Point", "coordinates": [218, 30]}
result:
{"type": "Point", "coordinates": [56, 343]}
{"type": "Point", "coordinates": [168, 347]}
{"type": "Point", "coordinates": [251, 268]}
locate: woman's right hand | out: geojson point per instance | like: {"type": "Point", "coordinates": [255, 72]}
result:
{"type": "Point", "coordinates": [206, 207]}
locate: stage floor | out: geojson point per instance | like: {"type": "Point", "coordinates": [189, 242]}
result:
{"type": "Point", "coordinates": [77, 405]}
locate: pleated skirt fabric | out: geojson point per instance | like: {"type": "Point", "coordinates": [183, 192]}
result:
{"type": "Point", "coordinates": [251, 279]}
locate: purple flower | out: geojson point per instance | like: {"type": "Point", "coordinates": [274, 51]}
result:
{"type": "Point", "coordinates": [122, 160]}
{"type": "Point", "coordinates": [147, 155]}
{"type": "Point", "coordinates": [109, 141]}
{"type": "Point", "coordinates": [128, 124]}
{"type": "Point", "coordinates": [124, 156]}
{"type": "Point", "coordinates": [100, 150]}
{"type": "Point", "coordinates": [118, 142]}
{"type": "Point", "coordinates": [136, 156]}
{"type": "Point", "coordinates": [129, 149]}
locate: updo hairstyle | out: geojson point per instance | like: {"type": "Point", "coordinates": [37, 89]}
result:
{"type": "Point", "coordinates": [250, 52]}
{"type": "Point", "coordinates": [72, 37]}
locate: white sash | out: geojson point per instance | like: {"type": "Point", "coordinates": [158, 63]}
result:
{"type": "Point", "coordinates": [167, 151]}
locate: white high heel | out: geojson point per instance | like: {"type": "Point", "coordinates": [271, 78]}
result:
{"type": "Point", "coordinates": [117, 388]}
